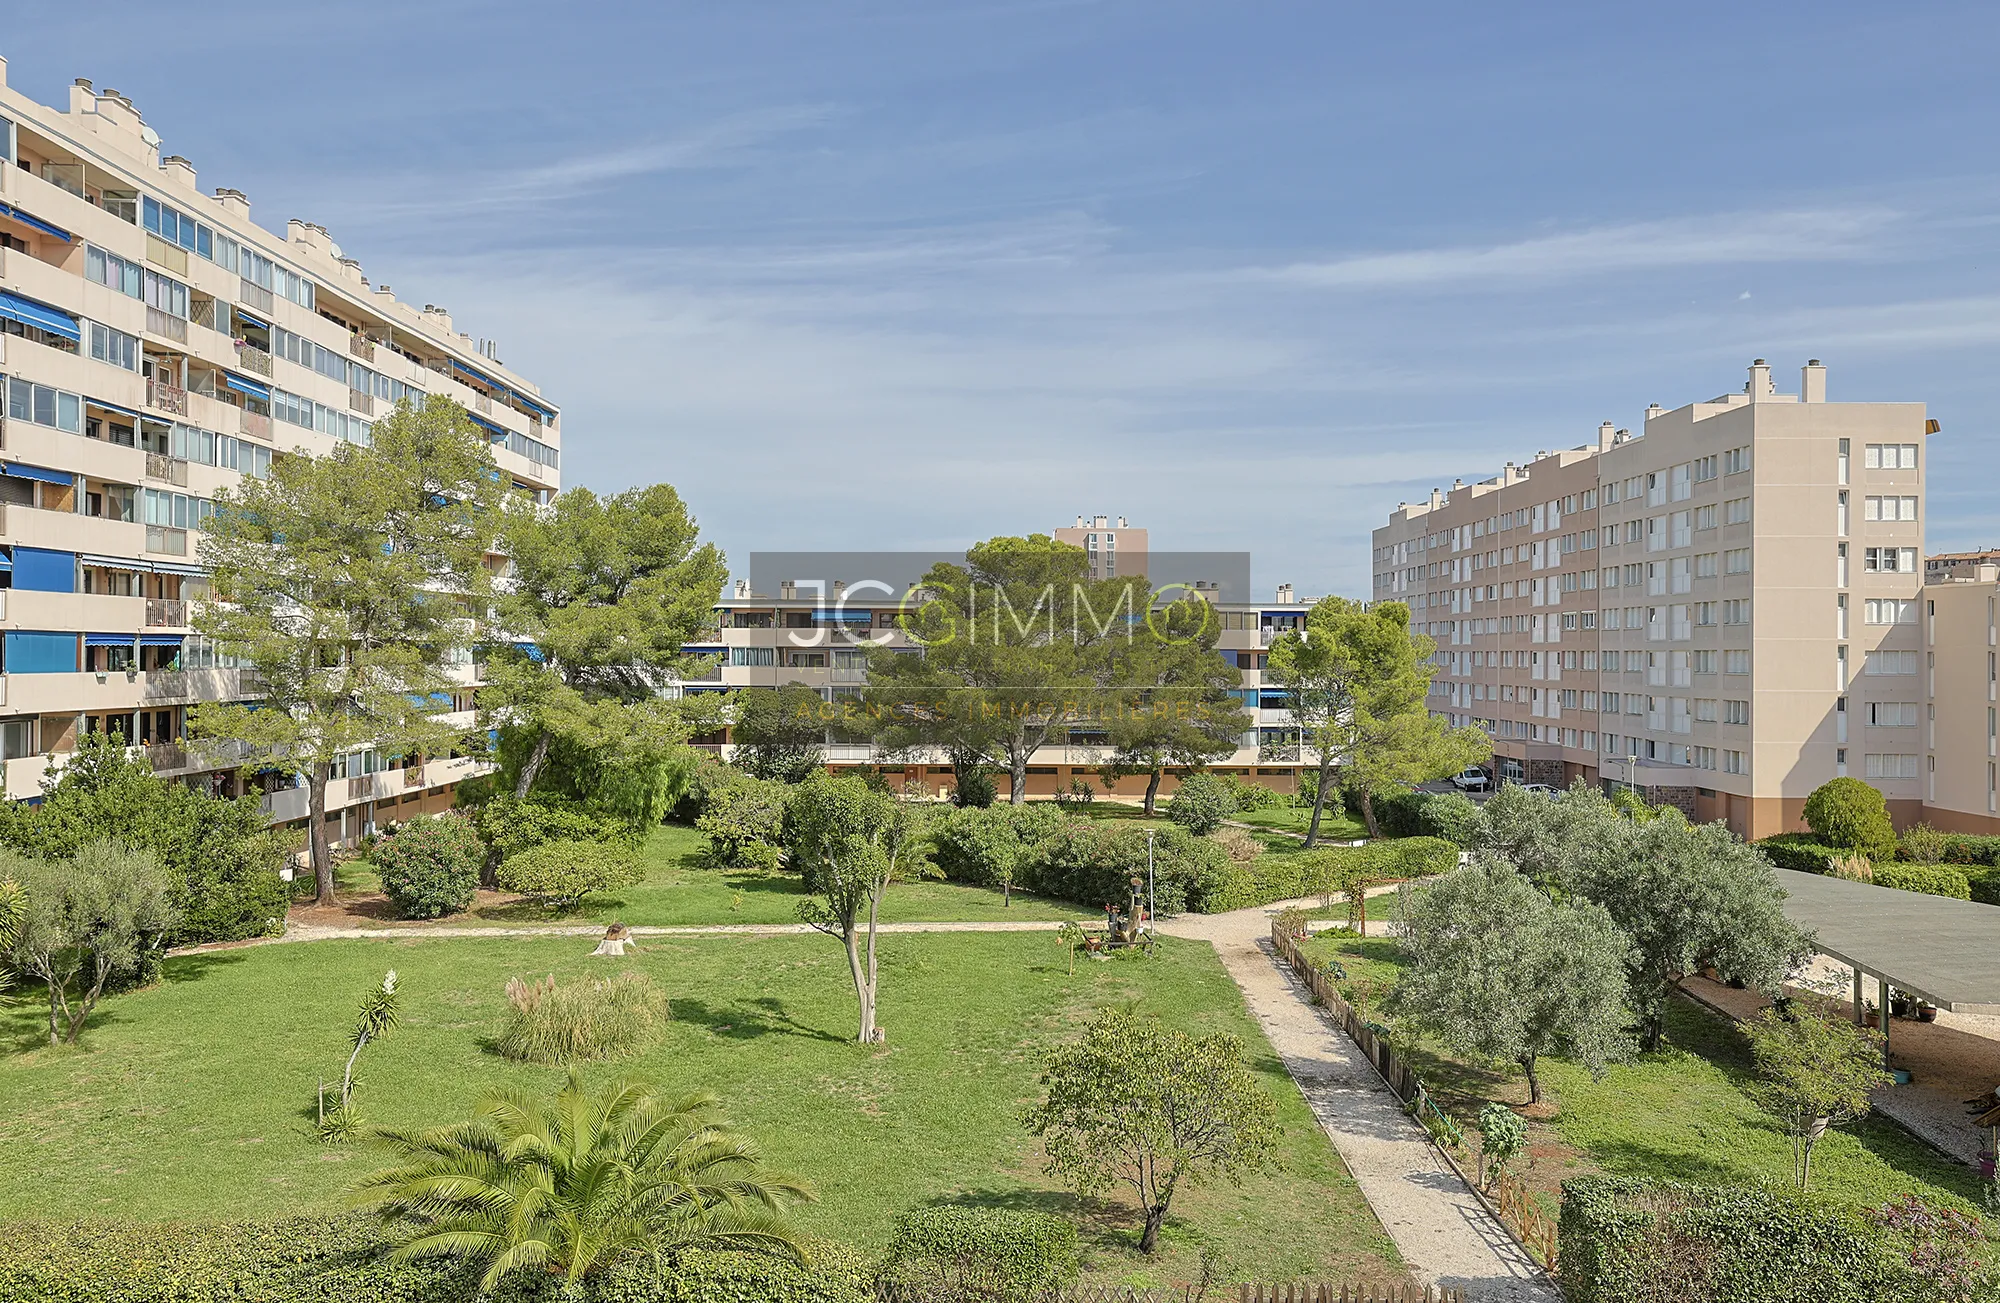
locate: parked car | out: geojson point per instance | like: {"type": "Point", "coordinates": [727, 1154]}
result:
{"type": "Point", "coordinates": [1472, 780]}
{"type": "Point", "coordinates": [1539, 789]}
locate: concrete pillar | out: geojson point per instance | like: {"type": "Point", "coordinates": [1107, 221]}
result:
{"type": "Point", "coordinates": [1884, 988]}
{"type": "Point", "coordinates": [1860, 1014]}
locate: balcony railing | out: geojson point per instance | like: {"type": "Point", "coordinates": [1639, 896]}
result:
{"type": "Point", "coordinates": [172, 470]}
{"type": "Point", "coordinates": [252, 358]}
{"type": "Point", "coordinates": [166, 324]}
{"type": "Point", "coordinates": [1277, 755]}
{"type": "Point", "coordinates": [171, 256]}
{"type": "Point", "coordinates": [481, 403]}
{"type": "Point", "coordinates": [165, 757]}
{"type": "Point", "coordinates": [360, 402]}
{"type": "Point", "coordinates": [255, 295]}
{"type": "Point", "coordinates": [173, 542]}
{"type": "Point", "coordinates": [256, 425]}
{"type": "Point", "coordinates": [361, 347]}
{"type": "Point", "coordinates": [166, 613]}
{"type": "Point", "coordinates": [166, 397]}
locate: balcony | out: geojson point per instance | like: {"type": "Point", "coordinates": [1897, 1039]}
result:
{"type": "Point", "coordinates": [481, 403]}
{"type": "Point", "coordinates": [166, 613]}
{"type": "Point", "coordinates": [171, 256]}
{"type": "Point", "coordinates": [165, 757]}
{"type": "Point", "coordinates": [171, 542]}
{"type": "Point", "coordinates": [166, 325]}
{"type": "Point", "coordinates": [166, 397]}
{"type": "Point", "coordinates": [255, 295]}
{"type": "Point", "coordinates": [198, 685]}
{"type": "Point", "coordinates": [253, 359]}
{"type": "Point", "coordinates": [360, 402]}
{"type": "Point", "coordinates": [255, 424]}
{"type": "Point", "coordinates": [1278, 755]}
{"type": "Point", "coordinates": [359, 346]}
{"type": "Point", "coordinates": [168, 470]}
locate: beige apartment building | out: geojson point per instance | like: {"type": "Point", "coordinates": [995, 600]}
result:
{"type": "Point", "coordinates": [155, 346]}
{"type": "Point", "coordinates": [1962, 700]}
{"type": "Point", "coordinates": [1720, 609]}
{"type": "Point", "coordinates": [1114, 548]}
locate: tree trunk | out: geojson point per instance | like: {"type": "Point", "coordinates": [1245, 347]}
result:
{"type": "Point", "coordinates": [317, 851]}
{"type": "Point", "coordinates": [874, 1030]}
{"type": "Point", "coordinates": [1368, 812]}
{"type": "Point", "coordinates": [531, 768]}
{"type": "Point", "coordinates": [1319, 802]}
{"type": "Point", "coordinates": [862, 995]}
{"type": "Point", "coordinates": [55, 995]}
{"type": "Point", "coordinates": [1017, 776]}
{"type": "Point", "coordinates": [347, 1077]}
{"type": "Point", "coordinates": [1527, 1062]}
{"type": "Point", "coordinates": [1814, 1131]}
{"type": "Point", "coordinates": [1149, 1239]}
{"type": "Point", "coordinates": [1152, 789]}
{"type": "Point", "coordinates": [1652, 1029]}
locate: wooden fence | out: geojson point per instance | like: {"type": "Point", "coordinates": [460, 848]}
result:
{"type": "Point", "coordinates": [1510, 1199]}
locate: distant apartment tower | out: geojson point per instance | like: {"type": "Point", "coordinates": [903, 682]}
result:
{"type": "Point", "coordinates": [1114, 548]}
{"type": "Point", "coordinates": [156, 346]}
{"type": "Point", "coordinates": [1961, 719]}
{"type": "Point", "coordinates": [1721, 610]}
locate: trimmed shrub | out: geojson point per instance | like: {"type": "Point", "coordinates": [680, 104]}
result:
{"type": "Point", "coordinates": [1850, 814]}
{"type": "Point", "coordinates": [983, 1253]}
{"type": "Point", "coordinates": [1923, 844]}
{"type": "Point", "coordinates": [1251, 795]}
{"type": "Point", "coordinates": [1798, 850]}
{"type": "Point", "coordinates": [556, 875]}
{"type": "Point", "coordinates": [1624, 1239]}
{"type": "Point", "coordinates": [1201, 803]}
{"type": "Point", "coordinates": [838, 1274]}
{"type": "Point", "coordinates": [1931, 879]}
{"type": "Point", "coordinates": [1964, 848]}
{"type": "Point", "coordinates": [975, 790]}
{"type": "Point", "coordinates": [742, 819]}
{"type": "Point", "coordinates": [591, 1018]}
{"type": "Point", "coordinates": [508, 826]}
{"type": "Point", "coordinates": [1414, 857]}
{"type": "Point", "coordinates": [1093, 862]}
{"type": "Point", "coordinates": [1397, 814]}
{"type": "Point", "coordinates": [973, 845]}
{"type": "Point", "coordinates": [1454, 817]}
{"type": "Point", "coordinates": [1984, 885]}
{"type": "Point", "coordinates": [430, 865]}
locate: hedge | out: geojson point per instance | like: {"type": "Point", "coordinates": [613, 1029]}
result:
{"type": "Point", "coordinates": [1798, 850]}
{"type": "Point", "coordinates": [1624, 1238]}
{"type": "Point", "coordinates": [982, 1253]}
{"type": "Point", "coordinates": [1092, 862]}
{"type": "Point", "coordinates": [340, 1260]}
{"type": "Point", "coordinates": [1932, 879]}
{"type": "Point", "coordinates": [973, 845]}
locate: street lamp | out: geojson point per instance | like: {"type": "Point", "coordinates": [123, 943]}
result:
{"type": "Point", "coordinates": [1151, 918]}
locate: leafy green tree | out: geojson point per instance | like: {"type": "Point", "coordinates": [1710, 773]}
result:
{"type": "Point", "coordinates": [1558, 841]}
{"type": "Point", "coordinates": [780, 733]}
{"type": "Point", "coordinates": [348, 582]}
{"type": "Point", "coordinates": [221, 857]}
{"type": "Point", "coordinates": [574, 1184]}
{"type": "Point", "coordinates": [1357, 678]}
{"type": "Point", "coordinates": [1815, 1068]}
{"type": "Point", "coordinates": [1503, 1136]}
{"type": "Point", "coordinates": [83, 920]}
{"type": "Point", "coordinates": [1848, 813]}
{"type": "Point", "coordinates": [1174, 698]}
{"type": "Point", "coordinates": [1500, 972]}
{"type": "Point", "coordinates": [1016, 652]}
{"type": "Point", "coordinates": [1690, 896]}
{"type": "Point", "coordinates": [1138, 1104]}
{"type": "Point", "coordinates": [743, 820]}
{"type": "Point", "coordinates": [850, 843]}
{"type": "Point", "coordinates": [623, 761]}
{"type": "Point", "coordinates": [430, 865]}
{"type": "Point", "coordinates": [1201, 803]}
{"type": "Point", "coordinates": [603, 594]}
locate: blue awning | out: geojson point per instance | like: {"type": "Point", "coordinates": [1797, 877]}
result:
{"type": "Point", "coordinates": [40, 316]}
{"type": "Point", "coordinates": [46, 228]}
{"type": "Point", "coordinates": [843, 617]}
{"type": "Point", "coordinates": [110, 639]}
{"type": "Point", "coordinates": [241, 315]}
{"type": "Point", "coordinates": [480, 376]}
{"type": "Point", "coordinates": [24, 472]}
{"type": "Point", "coordinates": [114, 407]}
{"type": "Point", "coordinates": [242, 386]}
{"type": "Point", "coordinates": [529, 650]}
{"type": "Point", "coordinates": [6, 563]}
{"type": "Point", "coordinates": [480, 420]}
{"type": "Point", "coordinates": [160, 640]}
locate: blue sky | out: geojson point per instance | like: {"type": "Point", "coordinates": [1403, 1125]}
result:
{"type": "Point", "coordinates": [904, 275]}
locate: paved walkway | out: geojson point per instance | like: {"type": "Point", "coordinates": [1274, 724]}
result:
{"type": "Point", "coordinates": [1442, 1230]}
{"type": "Point", "coordinates": [295, 932]}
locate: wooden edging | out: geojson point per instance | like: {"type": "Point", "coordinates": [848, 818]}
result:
{"type": "Point", "coordinates": [1287, 948]}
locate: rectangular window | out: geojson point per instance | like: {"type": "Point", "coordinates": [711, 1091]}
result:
{"type": "Point", "coordinates": [1704, 566]}
{"type": "Point", "coordinates": [1890, 662]}
{"type": "Point", "coordinates": [1736, 511]}
{"type": "Point", "coordinates": [1736, 561]}
{"type": "Point", "coordinates": [1891, 611]}
{"type": "Point", "coordinates": [166, 294]}
{"type": "Point", "coordinates": [42, 405]}
{"type": "Point", "coordinates": [1736, 712]}
{"type": "Point", "coordinates": [113, 346]}
{"type": "Point", "coordinates": [1735, 461]}
{"type": "Point", "coordinates": [1736, 611]}
{"type": "Point", "coordinates": [1889, 560]}
{"type": "Point", "coordinates": [108, 269]}
{"type": "Point", "coordinates": [1704, 469]}
{"type": "Point", "coordinates": [1704, 517]}
{"type": "Point", "coordinates": [1883, 507]}
{"type": "Point", "coordinates": [1890, 456]}
{"type": "Point", "coordinates": [1736, 662]}
{"type": "Point", "coordinates": [1892, 714]}
{"type": "Point", "coordinates": [752, 656]}
{"type": "Point", "coordinates": [1704, 662]}
{"type": "Point", "coordinates": [1891, 766]}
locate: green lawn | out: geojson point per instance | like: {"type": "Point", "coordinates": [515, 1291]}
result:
{"type": "Point", "coordinates": [1285, 818]}
{"type": "Point", "coordinates": [1682, 1113]}
{"type": "Point", "coordinates": [680, 891]}
{"type": "Point", "coordinates": [191, 1099]}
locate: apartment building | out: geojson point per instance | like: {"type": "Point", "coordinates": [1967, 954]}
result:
{"type": "Point", "coordinates": [1720, 610]}
{"type": "Point", "coordinates": [155, 346]}
{"type": "Point", "coordinates": [817, 632]}
{"type": "Point", "coordinates": [1961, 722]}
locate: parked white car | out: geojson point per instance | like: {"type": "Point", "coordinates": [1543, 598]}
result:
{"type": "Point", "coordinates": [1539, 789]}
{"type": "Point", "coordinates": [1472, 780]}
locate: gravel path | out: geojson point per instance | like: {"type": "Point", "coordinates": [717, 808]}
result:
{"type": "Point", "coordinates": [295, 932]}
{"type": "Point", "coordinates": [1442, 1230]}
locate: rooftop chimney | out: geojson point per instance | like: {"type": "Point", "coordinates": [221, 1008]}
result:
{"type": "Point", "coordinates": [1653, 410]}
{"type": "Point", "coordinates": [179, 172]}
{"type": "Point", "coordinates": [1508, 474]}
{"type": "Point", "coordinates": [1121, 522]}
{"type": "Point", "coordinates": [81, 98]}
{"type": "Point", "coordinates": [743, 588]}
{"type": "Point", "coordinates": [1759, 386]}
{"type": "Point", "coordinates": [1605, 434]}
{"type": "Point", "coordinates": [1812, 382]}
{"type": "Point", "coordinates": [787, 590]}
{"type": "Point", "coordinates": [1284, 595]}
{"type": "Point", "coordinates": [234, 202]}
{"type": "Point", "coordinates": [1079, 522]}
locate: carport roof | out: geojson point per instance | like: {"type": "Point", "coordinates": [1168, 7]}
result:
{"type": "Point", "coordinates": [1946, 951]}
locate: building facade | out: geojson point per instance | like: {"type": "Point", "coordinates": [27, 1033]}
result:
{"type": "Point", "coordinates": [1720, 610]}
{"type": "Point", "coordinates": [155, 346]}
{"type": "Point", "coordinates": [1962, 700]}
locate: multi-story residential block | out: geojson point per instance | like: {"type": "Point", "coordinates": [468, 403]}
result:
{"type": "Point", "coordinates": [1959, 565]}
{"type": "Point", "coordinates": [799, 635]}
{"type": "Point", "coordinates": [155, 346]}
{"type": "Point", "coordinates": [1720, 610]}
{"type": "Point", "coordinates": [1961, 710]}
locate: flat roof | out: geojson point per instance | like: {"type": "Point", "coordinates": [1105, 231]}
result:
{"type": "Point", "coordinates": [1947, 951]}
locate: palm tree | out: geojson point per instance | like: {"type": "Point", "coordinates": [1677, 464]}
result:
{"type": "Point", "coordinates": [571, 1184]}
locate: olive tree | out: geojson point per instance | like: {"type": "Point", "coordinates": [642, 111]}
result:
{"type": "Point", "coordinates": [82, 920]}
{"type": "Point", "coordinates": [1815, 1068]}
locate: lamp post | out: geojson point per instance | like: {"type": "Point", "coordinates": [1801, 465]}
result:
{"type": "Point", "coordinates": [1151, 924]}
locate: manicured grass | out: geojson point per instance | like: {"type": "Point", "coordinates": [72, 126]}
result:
{"type": "Point", "coordinates": [192, 1099]}
{"type": "Point", "coordinates": [1285, 818]}
{"type": "Point", "coordinates": [679, 890]}
{"type": "Point", "coordinates": [1685, 1112]}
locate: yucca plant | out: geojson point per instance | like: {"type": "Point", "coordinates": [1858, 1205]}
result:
{"type": "Point", "coordinates": [548, 1022]}
{"type": "Point", "coordinates": [570, 1185]}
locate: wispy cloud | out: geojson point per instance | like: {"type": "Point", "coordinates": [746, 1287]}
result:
{"type": "Point", "coordinates": [710, 144]}
{"type": "Point", "coordinates": [1802, 235]}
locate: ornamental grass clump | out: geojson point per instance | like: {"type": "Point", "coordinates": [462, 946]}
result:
{"type": "Point", "coordinates": [593, 1018]}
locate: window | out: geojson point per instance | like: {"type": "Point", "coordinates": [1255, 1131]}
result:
{"type": "Point", "coordinates": [1610, 577]}
{"type": "Point", "coordinates": [1736, 511]}
{"type": "Point", "coordinates": [114, 346]}
{"type": "Point", "coordinates": [1891, 611]}
{"type": "Point", "coordinates": [177, 510]}
{"type": "Point", "coordinates": [1892, 714]}
{"type": "Point", "coordinates": [1889, 560]}
{"type": "Point", "coordinates": [1736, 712]}
{"type": "Point", "coordinates": [1704, 710]}
{"type": "Point", "coordinates": [1890, 662]}
{"type": "Point", "coordinates": [1704, 662]}
{"type": "Point", "coordinates": [1704, 566]}
{"type": "Point", "coordinates": [1736, 611]}
{"type": "Point", "coordinates": [1704, 517]}
{"type": "Point", "coordinates": [1890, 456]}
{"type": "Point", "coordinates": [752, 657]}
{"type": "Point", "coordinates": [1590, 499]}
{"type": "Point", "coordinates": [1683, 532]}
{"type": "Point", "coordinates": [1735, 461]}
{"type": "Point", "coordinates": [1890, 766]}
{"type": "Point", "coordinates": [1704, 613]}
{"type": "Point", "coordinates": [294, 410]}
{"type": "Point", "coordinates": [1683, 488]}
{"type": "Point", "coordinates": [109, 269]}
{"type": "Point", "coordinates": [166, 294]}
{"type": "Point", "coordinates": [1611, 493]}
{"type": "Point", "coordinates": [42, 405]}
{"type": "Point", "coordinates": [1736, 561]}
{"type": "Point", "coordinates": [1881, 507]}
{"type": "Point", "coordinates": [1732, 762]}
{"type": "Point", "coordinates": [1704, 469]}
{"type": "Point", "coordinates": [1736, 662]}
